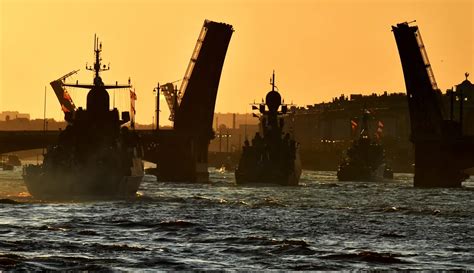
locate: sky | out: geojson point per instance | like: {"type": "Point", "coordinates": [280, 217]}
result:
{"type": "Point", "coordinates": [319, 49]}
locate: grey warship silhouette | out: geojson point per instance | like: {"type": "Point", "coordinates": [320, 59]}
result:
{"type": "Point", "coordinates": [95, 156]}
{"type": "Point", "coordinates": [273, 156]}
{"type": "Point", "coordinates": [365, 160]}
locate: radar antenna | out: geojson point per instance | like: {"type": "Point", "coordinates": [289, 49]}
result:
{"type": "Point", "coordinates": [272, 81]}
{"type": "Point", "coordinates": [97, 68]}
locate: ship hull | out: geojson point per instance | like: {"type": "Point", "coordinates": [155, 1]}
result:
{"type": "Point", "coordinates": [359, 173]}
{"type": "Point", "coordinates": [87, 183]}
{"type": "Point", "coordinates": [269, 176]}
{"type": "Point", "coordinates": [65, 187]}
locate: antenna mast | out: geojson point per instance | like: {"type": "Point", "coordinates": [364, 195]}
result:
{"type": "Point", "coordinates": [97, 65]}
{"type": "Point", "coordinates": [44, 118]}
{"type": "Point", "coordinates": [273, 81]}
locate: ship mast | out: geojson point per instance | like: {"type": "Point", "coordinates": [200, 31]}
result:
{"type": "Point", "coordinates": [272, 81]}
{"type": "Point", "coordinates": [97, 65]}
{"type": "Point", "coordinates": [97, 68]}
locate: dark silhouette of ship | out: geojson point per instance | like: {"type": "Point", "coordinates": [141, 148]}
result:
{"type": "Point", "coordinates": [95, 156]}
{"type": "Point", "coordinates": [365, 158]}
{"type": "Point", "coordinates": [272, 157]}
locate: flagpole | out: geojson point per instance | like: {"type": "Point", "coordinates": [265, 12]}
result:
{"type": "Point", "coordinates": [44, 118]}
{"type": "Point", "coordinates": [133, 97]}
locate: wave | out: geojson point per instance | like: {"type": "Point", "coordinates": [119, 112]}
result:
{"type": "Point", "coordinates": [254, 240]}
{"type": "Point", "coordinates": [392, 235]}
{"type": "Point", "coordinates": [116, 247]}
{"type": "Point", "coordinates": [177, 224]}
{"type": "Point", "coordinates": [269, 202]}
{"type": "Point", "coordinates": [291, 249]}
{"type": "Point", "coordinates": [367, 256]}
{"type": "Point", "coordinates": [163, 262]}
{"type": "Point", "coordinates": [9, 201]}
{"type": "Point", "coordinates": [87, 232]}
{"type": "Point", "coordinates": [12, 262]}
{"type": "Point", "coordinates": [173, 224]}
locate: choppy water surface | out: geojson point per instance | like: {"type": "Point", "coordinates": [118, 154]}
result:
{"type": "Point", "coordinates": [321, 225]}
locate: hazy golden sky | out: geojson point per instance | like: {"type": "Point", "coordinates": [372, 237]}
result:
{"type": "Point", "coordinates": [319, 48]}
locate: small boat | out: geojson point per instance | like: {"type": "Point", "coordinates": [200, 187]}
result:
{"type": "Point", "coordinates": [13, 160]}
{"type": "Point", "coordinates": [272, 157]}
{"type": "Point", "coordinates": [8, 162]}
{"type": "Point", "coordinates": [364, 160]}
{"type": "Point", "coordinates": [228, 165]}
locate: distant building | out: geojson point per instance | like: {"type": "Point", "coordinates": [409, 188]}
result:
{"type": "Point", "coordinates": [230, 130]}
{"type": "Point", "coordinates": [23, 124]}
{"type": "Point", "coordinates": [461, 95]}
{"type": "Point", "coordinates": [11, 115]}
{"type": "Point", "coordinates": [231, 140]}
{"type": "Point", "coordinates": [338, 120]}
{"type": "Point", "coordinates": [233, 120]}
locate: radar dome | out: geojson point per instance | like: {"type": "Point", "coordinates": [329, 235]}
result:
{"type": "Point", "coordinates": [98, 100]}
{"type": "Point", "coordinates": [273, 100]}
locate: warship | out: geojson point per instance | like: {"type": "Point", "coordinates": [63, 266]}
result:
{"type": "Point", "coordinates": [365, 158]}
{"type": "Point", "coordinates": [272, 157]}
{"type": "Point", "coordinates": [96, 156]}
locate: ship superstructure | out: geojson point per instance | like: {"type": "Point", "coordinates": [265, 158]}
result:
{"type": "Point", "coordinates": [272, 157]}
{"type": "Point", "coordinates": [365, 158]}
{"type": "Point", "coordinates": [96, 155]}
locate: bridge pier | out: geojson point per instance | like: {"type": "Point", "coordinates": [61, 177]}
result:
{"type": "Point", "coordinates": [179, 157]}
{"type": "Point", "coordinates": [436, 167]}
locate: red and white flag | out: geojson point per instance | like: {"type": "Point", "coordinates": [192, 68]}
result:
{"type": "Point", "coordinates": [133, 98]}
{"type": "Point", "coordinates": [379, 132]}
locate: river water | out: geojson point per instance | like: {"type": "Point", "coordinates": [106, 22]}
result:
{"type": "Point", "coordinates": [321, 225]}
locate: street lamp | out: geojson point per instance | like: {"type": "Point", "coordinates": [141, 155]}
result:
{"type": "Point", "coordinates": [156, 92]}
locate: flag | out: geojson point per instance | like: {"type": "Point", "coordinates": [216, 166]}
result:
{"type": "Point", "coordinates": [353, 124]}
{"type": "Point", "coordinates": [64, 108]}
{"type": "Point", "coordinates": [379, 131]}
{"type": "Point", "coordinates": [132, 108]}
{"type": "Point", "coordinates": [133, 98]}
{"type": "Point", "coordinates": [133, 95]}
{"type": "Point", "coordinates": [353, 127]}
{"type": "Point", "coordinates": [67, 105]}
{"type": "Point", "coordinates": [66, 95]}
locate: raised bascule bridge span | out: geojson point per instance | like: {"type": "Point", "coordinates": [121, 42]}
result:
{"type": "Point", "coordinates": [443, 151]}
{"type": "Point", "coordinates": [180, 153]}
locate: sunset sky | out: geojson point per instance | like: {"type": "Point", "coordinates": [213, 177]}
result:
{"type": "Point", "coordinates": [319, 49]}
